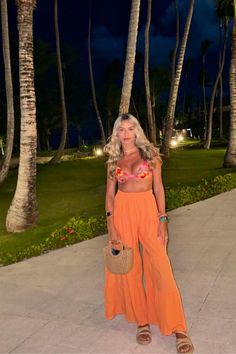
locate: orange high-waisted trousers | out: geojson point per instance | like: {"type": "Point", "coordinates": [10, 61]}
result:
{"type": "Point", "coordinates": [158, 301]}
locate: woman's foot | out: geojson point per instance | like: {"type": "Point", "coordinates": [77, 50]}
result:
{"type": "Point", "coordinates": [143, 335]}
{"type": "Point", "coordinates": [183, 343]}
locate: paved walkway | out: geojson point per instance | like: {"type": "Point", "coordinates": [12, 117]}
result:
{"type": "Point", "coordinates": [54, 303]}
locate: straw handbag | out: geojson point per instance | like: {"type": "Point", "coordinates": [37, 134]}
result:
{"type": "Point", "coordinates": [118, 261]}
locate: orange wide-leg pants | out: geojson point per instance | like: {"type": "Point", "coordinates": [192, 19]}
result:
{"type": "Point", "coordinates": [148, 293]}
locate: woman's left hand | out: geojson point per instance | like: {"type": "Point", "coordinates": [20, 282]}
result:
{"type": "Point", "coordinates": [162, 234]}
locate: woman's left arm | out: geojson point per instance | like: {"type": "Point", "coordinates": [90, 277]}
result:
{"type": "Point", "coordinates": [159, 193]}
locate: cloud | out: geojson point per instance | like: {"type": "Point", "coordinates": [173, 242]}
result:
{"type": "Point", "coordinates": [106, 46]}
{"type": "Point", "coordinates": [160, 46]}
{"type": "Point", "coordinates": [204, 24]}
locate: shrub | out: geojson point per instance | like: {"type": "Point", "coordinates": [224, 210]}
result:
{"type": "Point", "coordinates": [177, 197]}
{"type": "Point", "coordinates": [75, 230]}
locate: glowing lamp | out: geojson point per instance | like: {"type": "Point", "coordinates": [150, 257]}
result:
{"type": "Point", "coordinates": [98, 152]}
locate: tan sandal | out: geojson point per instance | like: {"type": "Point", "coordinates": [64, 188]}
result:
{"type": "Point", "coordinates": [181, 342]}
{"type": "Point", "coordinates": [143, 335]}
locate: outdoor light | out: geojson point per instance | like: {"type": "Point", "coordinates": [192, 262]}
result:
{"type": "Point", "coordinates": [98, 152]}
{"type": "Point", "coordinates": [180, 138]}
{"type": "Point", "coordinates": [173, 143]}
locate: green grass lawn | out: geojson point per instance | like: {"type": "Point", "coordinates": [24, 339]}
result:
{"type": "Point", "coordinates": [189, 167]}
{"type": "Point", "coordinates": [64, 190]}
{"type": "Point", "coordinates": [77, 188]}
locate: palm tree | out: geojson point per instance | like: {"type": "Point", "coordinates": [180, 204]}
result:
{"type": "Point", "coordinates": [221, 133]}
{"type": "Point", "coordinates": [187, 67]}
{"type": "Point", "coordinates": [57, 157]}
{"type": "Point", "coordinates": [93, 86]}
{"type": "Point", "coordinates": [174, 52]}
{"type": "Point", "coordinates": [9, 92]}
{"type": "Point", "coordinates": [130, 58]}
{"type": "Point", "coordinates": [173, 95]}
{"type": "Point", "coordinates": [205, 45]}
{"type": "Point", "coordinates": [172, 57]}
{"type": "Point", "coordinates": [151, 123]}
{"type": "Point", "coordinates": [228, 8]}
{"type": "Point", "coordinates": [23, 210]}
{"type": "Point", "coordinates": [217, 80]}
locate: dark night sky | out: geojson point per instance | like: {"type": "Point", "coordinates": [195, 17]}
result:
{"type": "Point", "coordinates": [110, 20]}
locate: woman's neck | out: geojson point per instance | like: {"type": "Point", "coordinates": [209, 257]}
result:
{"type": "Point", "coordinates": [129, 149]}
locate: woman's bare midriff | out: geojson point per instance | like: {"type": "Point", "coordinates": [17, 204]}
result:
{"type": "Point", "coordinates": [136, 185]}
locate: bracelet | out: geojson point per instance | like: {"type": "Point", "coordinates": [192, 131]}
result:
{"type": "Point", "coordinates": [162, 214]}
{"type": "Point", "coordinates": [163, 217]}
{"type": "Point", "coordinates": [108, 213]}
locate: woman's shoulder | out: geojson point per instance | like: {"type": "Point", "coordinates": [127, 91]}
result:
{"type": "Point", "coordinates": [158, 160]}
{"type": "Point", "coordinates": [155, 162]}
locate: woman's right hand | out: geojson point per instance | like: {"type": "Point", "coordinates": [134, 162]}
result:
{"type": "Point", "coordinates": [114, 236]}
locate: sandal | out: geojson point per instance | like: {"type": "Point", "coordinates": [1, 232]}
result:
{"type": "Point", "coordinates": [181, 342]}
{"type": "Point", "coordinates": [143, 335]}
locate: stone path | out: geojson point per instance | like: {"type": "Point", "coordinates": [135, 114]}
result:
{"type": "Point", "coordinates": [54, 303]}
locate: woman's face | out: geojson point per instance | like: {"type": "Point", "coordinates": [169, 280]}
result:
{"type": "Point", "coordinates": [126, 132]}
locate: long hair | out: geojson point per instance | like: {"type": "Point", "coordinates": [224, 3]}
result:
{"type": "Point", "coordinates": [114, 148]}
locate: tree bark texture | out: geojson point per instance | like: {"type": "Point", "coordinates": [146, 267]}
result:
{"type": "Point", "coordinates": [211, 109]}
{"type": "Point", "coordinates": [130, 58]}
{"type": "Point", "coordinates": [4, 168]}
{"type": "Point", "coordinates": [57, 157]}
{"type": "Point", "coordinates": [230, 155]}
{"type": "Point", "coordinates": [103, 138]}
{"type": "Point", "coordinates": [151, 125]}
{"type": "Point", "coordinates": [23, 211]}
{"type": "Point", "coordinates": [173, 96]}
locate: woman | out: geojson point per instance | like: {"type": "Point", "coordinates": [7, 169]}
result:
{"type": "Point", "coordinates": [136, 215]}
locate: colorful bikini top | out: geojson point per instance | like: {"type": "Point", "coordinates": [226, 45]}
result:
{"type": "Point", "coordinates": [142, 171]}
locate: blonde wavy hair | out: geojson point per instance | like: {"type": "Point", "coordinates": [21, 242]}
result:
{"type": "Point", "coordinates": [114, 150]}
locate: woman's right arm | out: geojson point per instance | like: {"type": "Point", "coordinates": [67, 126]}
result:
{"type": "Point", "coordinates": [110, 195]}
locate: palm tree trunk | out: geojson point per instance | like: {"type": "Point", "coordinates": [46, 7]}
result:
{"type": "Point", "coordinates": [184, 97]}
{"type": "Point", "coordinates": [109, 122]}
{"type": "Point", "coordinates": [135, 108]}
{"type": "Point", "coordinates": [173, 68]}
{"type": "Point", "coordinates": [199, 110]}
{"type": "Point", "coordinates": [130, 58]}
{"type": "Point", "coordinates": [47, 142]}
{"type": "Point", "coordinates": [23, 211]}
{"type": "Point", "coordinates": [173, 61]}
{"type": "Point", "coordinates": [221, 133]}
{"type": "Point", "coordinates": [154, 117]}
{"type": "Point", "coordinates": [152, 132]}
{"type": "Point", "coordinates": [204, 101]}
{"type": "Point", "coordinates": [103, 138]}
{"type": "Point", "coordinates": [221, 109]}
{"type": "Point", "coordinates": [173, 96]}
{"type": "Point", "coordinates": [57, 157]}
{"type": "Point", "coordinates": [230, 155]}
{"type": "Point", "coordinates": [210, 119]}
{"type": "Point", "coordinates": [4, 168]}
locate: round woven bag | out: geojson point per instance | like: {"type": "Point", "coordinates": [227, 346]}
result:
{"type": "Point", "coordinates": [120, 263]}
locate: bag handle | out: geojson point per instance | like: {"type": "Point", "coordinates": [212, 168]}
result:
{"type": "Point", "coordinates": [110, 242]}
{"type": "Point", "coordinates": [110, 245]}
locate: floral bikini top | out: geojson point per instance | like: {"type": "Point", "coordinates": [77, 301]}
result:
{"type": "Point", "coordinates": [142, 171]}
